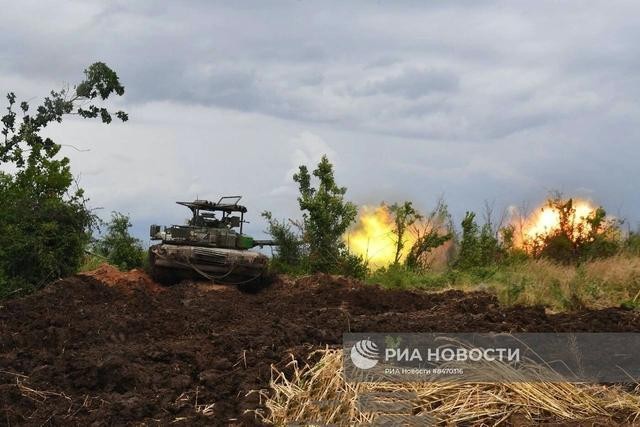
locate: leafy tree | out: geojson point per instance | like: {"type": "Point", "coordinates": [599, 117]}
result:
{"type": "Point", "coordinates": [118, 246]}
{"type": "Point", "coordinates": [575, 238]}
{"type": "Point", "coordinates": [489, 247]}
{"type": "Point", "coordinates": [507, 236]}
{"type": "Point", "coordinates": [469, 255]}
{"type": "Point", "coordinates": [433, 231]}
{"type": "Point", "coordinates": [479, 246]}
{"type": "Point", "coordinates": [404, 216]}
{"type": "Point", "coordinates": [426, 243]}
{"type": "Point", "coordinates": [44, 221]}
{"type": "Point", "coordinates": [326, 216]}
{"type": "Point", "coordinates": [289, 250]}
{"type": "Point", "coordinates": [507, 249]}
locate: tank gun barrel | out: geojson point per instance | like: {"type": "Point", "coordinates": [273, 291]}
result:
{"type": "Point", "coordinates": [263, 243]}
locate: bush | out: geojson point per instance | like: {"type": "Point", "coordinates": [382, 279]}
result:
{"type": "Point", "coordinates": [351, 265]}
{"type": "Point", "coordinates": [577, 239]}
{"type": "Point", "coordinates": [325, 218]}
{"type": "Point", "coordinates": [42, 233]}
{"type": "Point", "coordinates": [289, 252]}
{"type": "Point", "coordinates": [479, 247]}
{"type": "Point", "coordinates": [44, 223]}
{"type": "Point", "coordinates": [433, 231]}
{"type": "Point", "coordinates": [118, 246]}
{"type": "Point", "coordinates": [91, 262]}
{"type": "Point", "coordinates": [632, 243]}
{"type": "Point", "coordinates": [398, 276]}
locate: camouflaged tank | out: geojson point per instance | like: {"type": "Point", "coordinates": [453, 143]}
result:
{"type": "Point", "coordinates": [210, 246]}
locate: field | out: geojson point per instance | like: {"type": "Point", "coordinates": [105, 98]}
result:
{"type": "Point", "coordinates": [115, 348]}
{"type": "Point", "coordinates": [600, 283]}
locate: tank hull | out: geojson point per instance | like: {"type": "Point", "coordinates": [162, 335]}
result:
{"type": "Point", "coordinates": [171, 263]}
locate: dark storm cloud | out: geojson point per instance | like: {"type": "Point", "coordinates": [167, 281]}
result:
{"type": "Point", "coordinates": [475, 98]}
{"type": "Point", "coordinates": [411, 83]}
{"type": "Point", "coordinates": [296, 60]}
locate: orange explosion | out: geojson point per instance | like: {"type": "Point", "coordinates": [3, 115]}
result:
{"type": "Point", "coordinates": [374, 237]}
{"type": "Point", "coordinates": [545, 221]}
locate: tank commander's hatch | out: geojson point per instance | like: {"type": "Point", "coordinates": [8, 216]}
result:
{"type": "Point", "coordinates": [204, 212]}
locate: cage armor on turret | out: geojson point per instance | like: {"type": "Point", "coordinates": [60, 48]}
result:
{"type": "Point", "coordinates": [211, 246]}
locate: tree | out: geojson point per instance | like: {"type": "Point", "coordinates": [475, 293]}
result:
{"type": "Point", "coordinates": [44, 221]}
{"type": "Point", "coordinates": [489, 246]}
{"type": "Point", "coordinates": [404, 216]}
{"type": "Point", "coordinates": [326, 216]}
{"type": "Point", "coordinates": [289, 250]}
{"type": "Point", "coordinates": [423, 245]}
{"type": "Point", "coordinates": [432, 231]}
{"type": "Point", "coordinates": [118, 246]}
{"type": "Point", "coordinates": [576, 238]}
{"type": "Point", "coordinates": [469, 255]}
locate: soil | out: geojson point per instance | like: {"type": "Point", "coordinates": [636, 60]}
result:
{"type": "Point", "coordinates": [112, 348]}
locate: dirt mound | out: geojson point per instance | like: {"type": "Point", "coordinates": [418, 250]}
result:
{"type": "Point", "coordinates": [107, 347]}
{"type": "Point", "coordinates": [128, 281]}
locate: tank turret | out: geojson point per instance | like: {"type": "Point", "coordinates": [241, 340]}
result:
{"type": "Point", "coordinates": [211, 245]}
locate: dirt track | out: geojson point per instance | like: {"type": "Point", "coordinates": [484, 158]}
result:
{"type": "Point", "coordinates": [111, 348]}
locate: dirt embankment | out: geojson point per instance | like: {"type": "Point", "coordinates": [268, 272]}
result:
{"type": "Point", "coordinates": [110, 348]}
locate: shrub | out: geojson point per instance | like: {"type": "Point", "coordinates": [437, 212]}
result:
{"type": "Point", "coordinates": [431, 232]}
{"type": "Point", "coordinates": [632, 243]}
{"type": "Point", "coordinates": [326, 216]}
{"type": "Point", "coordinates": [479, 247]}
{"type": "Point", "coordinates": [42, 233]}
{"type": "Point", "coordinates": [404, 216]}
{"type": "Point", "coordinates": [577, 239]}
{"type": "Point", "coordinates": [288, 255]}
{"type": "Point", "coordinates": [352, 265]}
{"type": "Point", "coordinates": [118, 246]}
{"type": "Point", "coordinates": [398, 276]}
{"type": "Point", "coordinates": [44, 222]}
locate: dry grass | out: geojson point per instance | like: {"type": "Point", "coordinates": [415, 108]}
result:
{"type": "Point", "coordinates": [318, 394]}
{"type": "Point", "coordinates": [596, 284]}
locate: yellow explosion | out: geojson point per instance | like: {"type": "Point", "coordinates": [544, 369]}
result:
{"type": "Point", "coordinates": [546, 220]}
{"type": "Point", "coordinates": [374, 236]}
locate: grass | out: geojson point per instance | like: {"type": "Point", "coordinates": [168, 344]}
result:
{"type": "Point", "coordinates": [318, 394]}
{"type": "Point", "coordinates": [596, 284]}
{"type": "Point", "coordinates": [91, 262]}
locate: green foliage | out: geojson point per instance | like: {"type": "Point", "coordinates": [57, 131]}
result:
{"type": "Point", "coordinates": [469, 255]}
{"type": "Point", "coordinates": [632, 304]}
{"type": "Point", "coordinates": [632, 243]}
{"type": "Point", "coordinates": [577, 239]}
{"type": "Point", "coordinates": [326, 216]}
{"type": "Point", "coordinates": [398, 276]}
{"type": "Point", "coordinates": [434, 231]}
{"type": "Point", "coordinates": [404, 216]}
{"type": "Point", "coordinates": [289, 250]}
{"type": "Point", "coordinates": [119, 247]}
{"type": "Point", "coordinates": [513, 290]}
{"type": "Point", "coordinates": [489, 247]}
{"type": "Point", "coordinates": [506, 247]}
{"type": "Point", "coordinates": [42, 235]}
{"type": "Point", "coordinates": [44, 222]}
{"type": "Point", "coordinates": [568, 300]}
{"type": "Point", "coordinates": [91, 261]}
{"type": "Point", "coordinates": [480, 246]}
{"type": "Point", "coordinates": [351, 265]}
{"type": "Point", "coordinates": [424, 244]}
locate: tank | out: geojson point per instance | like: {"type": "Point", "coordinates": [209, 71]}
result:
{"type": "Point", "coordinates": [210, 246]}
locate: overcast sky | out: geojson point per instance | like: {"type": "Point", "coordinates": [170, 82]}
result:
{"type": "Point", "coordinates": [499, 101]}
